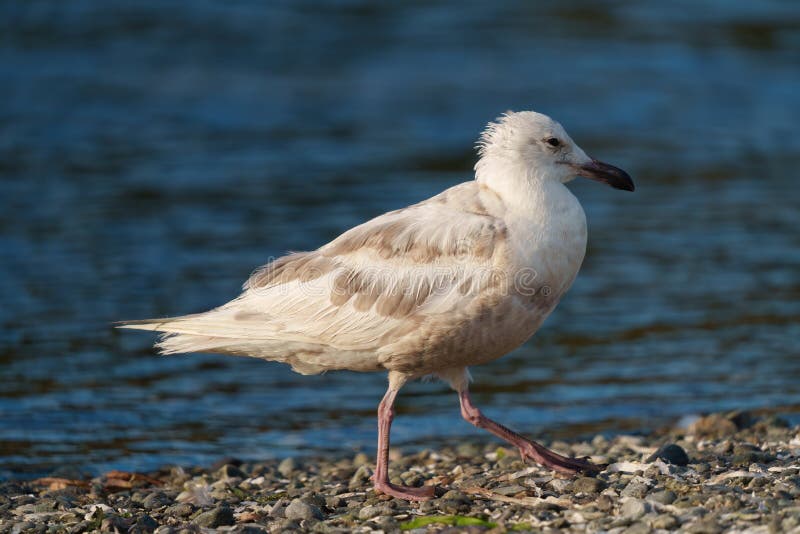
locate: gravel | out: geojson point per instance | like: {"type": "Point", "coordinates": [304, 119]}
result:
{"type": "Point", "coordinates": [724, 472]}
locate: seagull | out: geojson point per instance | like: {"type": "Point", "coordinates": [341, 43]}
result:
{"type": "Point", "coordinates": [457, 280]}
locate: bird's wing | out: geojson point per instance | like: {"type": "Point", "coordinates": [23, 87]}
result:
{"type": "Point", "coordinates": [377, 280]}
{"type": "Point", "coordinates": [372, 287]}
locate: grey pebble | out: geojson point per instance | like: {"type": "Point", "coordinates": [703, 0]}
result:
{"type": "Point", "coordinates": [300, 510]}
{"type": "Point", "coordinates": [604, 503]}
{"type": "Point", "coordinates": [671, 454]}
{"type": "Point", "coordinates": [218, 517]}
{"type": "Point", "coordinates": [704, 526]}
{"type": "Point", "coordinates": [665, 522]}
{"type": "Point", "coordinates": [113, 522]}
{"type": "Point", "coordinates": [315, 499]}
{"type": "Point", "coordinates": [144, 524]}
{"type": "Point", "coordinates": [634, 508]}
{"type": "Point", "coordinates": [360, 478]}
{"type": "Point", "coordinates": [287, 467]}
{"type": "Point", "coordinates": [662, 497]}
{"type": "Point", "coordinates": [183, 509]}
{"type": "Point", "coordinates": [588, 485]}
{"type": "Point", "coordinates": [638, 528]}
{"type": "Point", "coordinates": [229, 471]}
{"type": "Point", "coordinates": [560, 485]}
{"type": "Point", "coordinates": [635, 489]}
{"type": "Point", "coordinates": [248, 529]}
{"type": "Point", "coordinates": [334, 501]}
{"type": "Point", "coordinates": [278, 509]}
{"type": "Point", "coordinates": [155, 500]}
{"type": "Point", "coordinates": [25, 526]}
{"type": "Point", "coordinates": [505, 490]}
{"type": "Point", "coordinates": [387, 523]}
{"type": "Point", "coordinates": [368, 512]}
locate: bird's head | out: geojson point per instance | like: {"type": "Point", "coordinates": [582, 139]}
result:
{"type": "Point", "coordinates": [537, 145]}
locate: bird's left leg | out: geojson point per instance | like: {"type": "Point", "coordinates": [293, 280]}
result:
{"type": "Point", "coordinates": [528, 449]}
{"type": "Point", "coordinates": [381, 476]}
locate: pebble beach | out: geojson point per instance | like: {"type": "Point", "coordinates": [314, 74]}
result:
{"type": "Point", "coordinates": [732, 472]}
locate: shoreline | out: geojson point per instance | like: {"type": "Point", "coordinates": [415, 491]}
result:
{"type": "Point", "coordinates": [726, 472]}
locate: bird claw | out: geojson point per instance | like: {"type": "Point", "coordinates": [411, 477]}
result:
{"type": "Point", "coordinates": [557, 462]}
{"type": "Point", "coordinates": [408, 493]}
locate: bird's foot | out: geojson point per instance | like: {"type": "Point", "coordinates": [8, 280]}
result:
{"type": "Point", "coordinates": [531, 450]}
{"type": "Point", "coordinates": [408, 493]}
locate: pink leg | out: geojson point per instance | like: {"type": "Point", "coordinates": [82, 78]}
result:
{"type": "Point", "coordinates": [527, 449]}
{"type": "Point", "coordinates": [381, 477]}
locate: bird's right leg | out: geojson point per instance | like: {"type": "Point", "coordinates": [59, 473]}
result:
{"type": "Point", "coordinates": [381, 477]}
{"type": "Point", "coordinates": [527, 448]}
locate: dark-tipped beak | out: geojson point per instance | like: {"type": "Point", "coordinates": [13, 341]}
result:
{"type": "Point", "coordinates": [608, 174]}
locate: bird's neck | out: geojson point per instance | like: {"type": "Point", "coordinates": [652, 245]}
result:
{"type": "Point", "coordinates": [524, 190]}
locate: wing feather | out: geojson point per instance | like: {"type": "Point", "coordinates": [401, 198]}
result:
{"type": "Point", "coordinates": [366, 289]}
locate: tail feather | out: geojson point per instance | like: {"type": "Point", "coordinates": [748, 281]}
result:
{"type": "Point", "coordinates": [162, 324]}
{"type": "Point", "coordinates": [218, 330]}
{"type": "Point", "coordinates": [227, 333]}
{"type": "Point", "coordinates": [216, 323]}
{"type": "Point", "coordinates": [183, 343]}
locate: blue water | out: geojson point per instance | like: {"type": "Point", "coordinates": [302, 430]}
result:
{"type": "Point", "coordinates": [153, 153]}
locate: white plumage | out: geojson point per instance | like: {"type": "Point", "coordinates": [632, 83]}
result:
{"type": "Point", "coordinates": [456, 280]}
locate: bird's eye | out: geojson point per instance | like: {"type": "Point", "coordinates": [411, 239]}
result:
{"type": "Point", "coordinates": [553, 142]}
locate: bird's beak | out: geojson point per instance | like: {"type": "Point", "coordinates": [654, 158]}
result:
{"type": "Point", "coordinates": [608, 174]}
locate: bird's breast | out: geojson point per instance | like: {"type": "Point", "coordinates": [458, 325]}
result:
{"type": "Point", "coordinates": [547, 248]}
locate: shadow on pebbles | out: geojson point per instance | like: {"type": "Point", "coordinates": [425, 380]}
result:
{"type": "Point", "coordinates": [724, 472]}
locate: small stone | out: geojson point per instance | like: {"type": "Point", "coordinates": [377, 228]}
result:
{"type": "Point", "coordinates": [360, 478]}
{"type": "Point", "coordinates": [505, 490]}
{"type": "Point", "coordinates": [560, 485]}
{"type": "Point", "coordinates": [113, 522]}
{"type": "Point", "coordinates": [144, 524]}
{"type": "Point", "coordinates": [743, 457]}
{"type": "Point", "coordinates": [702, 467]}
{"type": "Point", "coordinates": [334, 501]}
{"type": "Point", "coordinates": [635, 489]}
{"type": "Point", "coordinates": [183, 509]}
{"type": "Point", "coordinates": [671, 454]}
{"type": "Point", "coordinates": [634, 508]}
{"type": "Point", "coordinates": [588, 485]}
{"type": "Point", "coordinates": [287, 466]}
{"type": "Point", "coordinates": [664, 522]}
{"type": "Point", "coordinates": [218, 517]}
{"type": "Point", "coordinates": [19, 528]}
{"type": "Point", "coordinates": [705, 526]}
{"type": "Point", "coordinates": [278, 510]}
{"type": "Point", "coordinates": [300, 510]}
{"type": "Point", "coordinates": [368, 512]}
{"type": "Point", "coordinates": [45, 505]}
{"type": "Point", "coordinates": [156, 500]}
{"type": "Point", "coordinates": [454, 502]}
{"type": "Point", "coordinates": [248, 529]}
{"type": "Point", "coordinates": [316, 499]}
{"type": "Point", "coordinates": [604, 503]}
{"type": "Point", "coordinates": [638, 528]}
{"type": "Point", "coordinates": [386, 523]}
{"type": "Point", "coordinates": [560, 523]}
{"type": "Point", "coordinates": [507, 461]}
{"type": "Point", "coordinates": [663, 497]}
{"type": "Point", "coordinates": [229, 471]}
{"type": "Point", "coordinates": [789, 523]}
